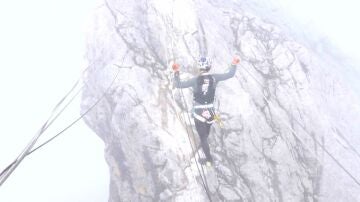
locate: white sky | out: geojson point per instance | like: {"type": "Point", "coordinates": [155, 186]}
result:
{"type": "Point", "coordinates": [42, 46]}
{"type": "Point", "coordinates": [338, 19]}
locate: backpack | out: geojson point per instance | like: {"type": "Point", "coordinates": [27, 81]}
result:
{"type": "Point", "coordinates": [204, 91]}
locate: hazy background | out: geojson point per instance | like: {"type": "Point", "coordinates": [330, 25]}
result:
{"type": "Point", "coordinates": [42, 44]}
{"type": "Point", "coordinates": [338, 19]}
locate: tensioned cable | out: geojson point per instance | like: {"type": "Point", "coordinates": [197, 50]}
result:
{"type": "Point", "coordinates": [10, 168]}
{"type": "Point", "coordinates": [57, 115]}
{"type": "Point", "coordinates": [202, 173]}
{"type": "Point", "coordinates": [79, 118]}
{"type": "Point", "coordinates": [316, 141]}
{"type": "Point", "coordinates": [49, 122]}
{"type": "Point", "coordinates": [194, 152]}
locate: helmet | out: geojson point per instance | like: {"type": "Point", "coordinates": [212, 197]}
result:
{"type": "Point", "coordinates": [204, 63]}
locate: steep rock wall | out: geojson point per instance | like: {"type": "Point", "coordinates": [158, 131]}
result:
{"type": "Point", "coordinates": [285, 104]}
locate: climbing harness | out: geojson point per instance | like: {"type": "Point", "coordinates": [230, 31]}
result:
{"type": "Point", "coordinates": [190, 133]}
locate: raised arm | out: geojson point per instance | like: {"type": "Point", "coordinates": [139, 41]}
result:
{"type": "Point", "coordinates": [181, 84]}
{"type": "Point", "coordinates": [230, 73]}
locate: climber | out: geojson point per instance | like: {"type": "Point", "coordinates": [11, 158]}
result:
{"type": "Point", "coordinates": [204, 86]}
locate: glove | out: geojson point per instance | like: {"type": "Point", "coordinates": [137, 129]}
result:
{"type": "Point", "coordinates": [175, 67]}
{"type": "Point", "coordinates": [235, 61]}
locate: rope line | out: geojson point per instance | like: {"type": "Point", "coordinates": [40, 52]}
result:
{"type": "Point", "coordinates": [78, 119]}
{"type": "Point", "coordinates": [193, 147]}
{"type": "Point", "coordinates": [27, 151]}
{"type": "Point", "coordinates": [201, 172]}
{"type": "Point", "coordinates": [45, 126]}
{"type": "Point", "coordinates": [11, 167]}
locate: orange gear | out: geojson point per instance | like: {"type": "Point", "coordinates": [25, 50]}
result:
{"type": "Point", "coordinates": [235, 61]}
{"type": "Point", "coordinates": [176, 67]}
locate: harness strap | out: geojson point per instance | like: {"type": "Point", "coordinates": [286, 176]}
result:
{"type": "Point", "coordinates": [202, 119]}
{"type": "Point", "coordinates": [203, 106]}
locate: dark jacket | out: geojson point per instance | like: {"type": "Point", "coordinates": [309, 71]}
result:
{"type": "Point", "coordinates": [204, 85]}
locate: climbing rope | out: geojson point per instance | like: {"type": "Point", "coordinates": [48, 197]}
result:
{"type": "Point", "coordinates": [28, 149]}
{"type": "Point", "coordinates": [190, 131]}
{"type": "Point", "coordinates": [10, 168]}
{"type": "Point", "coordinates": [194, 150]}
{"type": "Point", "coordinates": [80, 117]}
{"type": "Point", "coordinates": [46, 125]}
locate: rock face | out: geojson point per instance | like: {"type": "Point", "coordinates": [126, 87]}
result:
{"type": "Point", "coordinates": [290, 121]}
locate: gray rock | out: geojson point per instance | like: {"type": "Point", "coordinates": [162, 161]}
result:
{"type": "Point", "coordinates": [287, 103]}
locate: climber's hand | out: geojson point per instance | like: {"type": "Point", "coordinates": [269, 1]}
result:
{"type": "Point", "coordinates": [176, 67]}
{"type": "Point", "coordinates": [236, 60]}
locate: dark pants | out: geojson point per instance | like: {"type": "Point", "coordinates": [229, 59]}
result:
{"type": "Point", "coordinates": [203, 129]}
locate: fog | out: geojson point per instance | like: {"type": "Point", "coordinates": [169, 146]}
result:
{"type": "Point", "coordinates": [42, 47]}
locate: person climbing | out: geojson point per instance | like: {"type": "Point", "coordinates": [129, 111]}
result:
{"type": "Point", "coordinates": [204, 86]}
